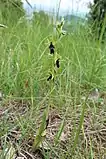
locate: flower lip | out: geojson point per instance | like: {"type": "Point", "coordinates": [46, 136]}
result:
{"type": "Point", "coordinates": [51, 47]}
{"type": "Point", "coordinates": [58, 63]}
{"type": "Point", "coordinates": [50, 77]}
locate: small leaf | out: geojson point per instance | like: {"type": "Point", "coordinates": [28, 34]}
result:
{"type": "Point", "coordinates": [40, 136]}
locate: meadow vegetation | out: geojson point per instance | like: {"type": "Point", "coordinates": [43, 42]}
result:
{"type": "Point", "coordinates": [62, 118]}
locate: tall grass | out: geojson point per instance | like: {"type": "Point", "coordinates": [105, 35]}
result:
{"type": "Point", "coordinates": [24, 65]}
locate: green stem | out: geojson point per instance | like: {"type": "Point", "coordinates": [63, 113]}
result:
{"type": "Point", "coordinates": [80, 126]}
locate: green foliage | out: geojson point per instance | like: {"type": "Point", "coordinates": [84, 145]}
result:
{"type": "Point", "coordinates": [40, 17]}
{"type": "Point", "coordinates": [24, 63]}
{"type": "Point", "coordinates": [97, 17]}
{"type": "Point", "coordinates": [11, 11]}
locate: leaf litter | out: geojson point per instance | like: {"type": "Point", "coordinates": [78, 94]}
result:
{"type": "Point", "coordinates": [92, 131]}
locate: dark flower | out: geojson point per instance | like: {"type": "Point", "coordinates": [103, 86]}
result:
{"type": "Point", "coordinates": [57, 63]}
{"type": "Point", "coordinates": [50, 77]}
{"type": "Point", "coordinates": [51, 47]}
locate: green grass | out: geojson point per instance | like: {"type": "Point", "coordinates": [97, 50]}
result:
{"type": "Point", "coordinates": [25, 64]}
